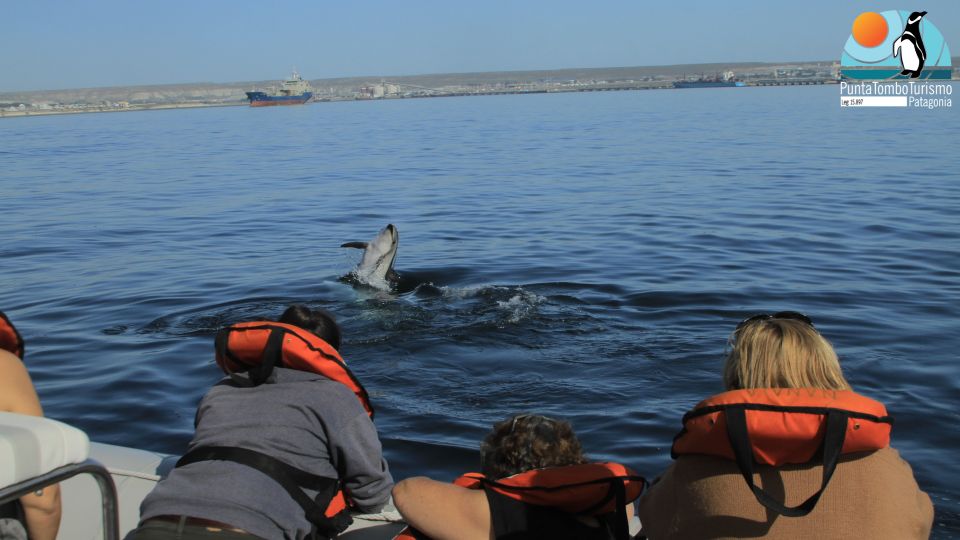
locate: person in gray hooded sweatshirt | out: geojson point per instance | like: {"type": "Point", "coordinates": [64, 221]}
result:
{"type": "Point", "coordinates": [269, 440]}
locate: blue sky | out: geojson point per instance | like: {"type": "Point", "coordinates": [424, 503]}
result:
{"type": "Point", "coordinates": [48, 44]}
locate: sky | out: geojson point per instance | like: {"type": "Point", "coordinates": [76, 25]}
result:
{"type": "Point", "coordinates": [60, 44]}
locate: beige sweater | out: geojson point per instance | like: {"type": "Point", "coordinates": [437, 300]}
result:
{"type": "Point", "coordinates": [871, 495]}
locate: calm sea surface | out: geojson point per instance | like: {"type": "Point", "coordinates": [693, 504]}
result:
{"type": "Point", "coordinates": [579, 255]}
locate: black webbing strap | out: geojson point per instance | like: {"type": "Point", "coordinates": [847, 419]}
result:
{"type": "Point", "coordinates": [270, 358]}
{"type": "Point", "coordinates": [617, 491]}
{"type": "Point", "coordinates": [621, 529]}
{"type": "Point", "coordinates": [289, 477]}
{"type": "Point", "coordinates": [836, 431]}
{"type": "Point", "coordinates": [13, 510]}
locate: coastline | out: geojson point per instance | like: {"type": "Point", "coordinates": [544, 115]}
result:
{"type": "Point", "coordinates": [148, 107]}
{"type": "Point", "coordinates": [605, 87]}
{"type": "Point", "coordinates": [20, 104]}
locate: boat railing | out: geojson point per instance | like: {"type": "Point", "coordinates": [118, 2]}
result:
{"type": "Point", "coordinates": [39, 452]}
{"type": "Point", "coordinates": [108, 491]}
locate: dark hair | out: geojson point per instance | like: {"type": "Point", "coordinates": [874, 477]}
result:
{"type": "Point", "coordinates": [317, 321]}
{"type": "Point", "coordinates": [527, 441]}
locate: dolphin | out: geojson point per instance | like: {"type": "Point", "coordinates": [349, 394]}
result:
{"type": "Point", "coordinates": [376, 266]}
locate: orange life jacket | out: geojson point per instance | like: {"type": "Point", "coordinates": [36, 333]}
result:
{"type": "Point", "coordinates": [259, 346]}
{"type": "Point", "coordinates": [586, 489]}
{"type": "Point", "coordinates": [777, 426]}
{"type": "Point", "coordinates": [10, 339]}
{"type": "Point", "coordinates": [590, 489]}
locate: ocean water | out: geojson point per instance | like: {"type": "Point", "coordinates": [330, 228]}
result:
{"type": "Point", "coordinates": [577, 255]}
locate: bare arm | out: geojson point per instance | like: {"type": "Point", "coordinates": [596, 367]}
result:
{"type": "Point", "coordinates": [42, 513]}
{"type": "Point", "coordinates": [18, 396]}
{"type": "Point", "coordinates": [16, 389]}
{"type": "Point", "coordinates": [443, 511]}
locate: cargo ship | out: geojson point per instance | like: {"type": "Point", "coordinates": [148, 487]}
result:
{"type": "Point", "coordinates": [293, 91]}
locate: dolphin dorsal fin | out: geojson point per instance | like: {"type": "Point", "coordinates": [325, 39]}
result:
{"type": "Point", "coordinates": [358, 245]}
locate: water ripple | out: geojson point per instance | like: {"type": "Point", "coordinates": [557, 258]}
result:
{"type": "Point", "coordinates": [581, 255]}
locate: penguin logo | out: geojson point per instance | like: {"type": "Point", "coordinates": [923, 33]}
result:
{"type": "Point", "coordinates": [888, 46]}
{"type": "Point", "coordinates": [909, 46]}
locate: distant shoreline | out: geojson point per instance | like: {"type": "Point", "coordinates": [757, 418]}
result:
{"type": "Point", "coordinates": [155, 107]}
{"type": "Point", "coordinates": [198, 105]}
{"type": "Point", "coordinates": [201, 95]}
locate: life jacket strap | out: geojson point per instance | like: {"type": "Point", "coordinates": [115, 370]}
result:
{"type": "Point", "coordinates": [271, 357]}
{"type": "Point", "coordinates": [835, 433]}
{"type": "Point", "coordinates": [327, 512]}
{"type": "Point", "coordinates": [620, 528]}
{"type": "Point", "coordinates": [13, 510]}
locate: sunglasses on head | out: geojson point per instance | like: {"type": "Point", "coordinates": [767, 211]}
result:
{"type": "Point", "coordinates": [786, 315]}
{"type": "Point", "coordinates": [539, 419]}
{"type": "Point", "coordinates": [522, 419]}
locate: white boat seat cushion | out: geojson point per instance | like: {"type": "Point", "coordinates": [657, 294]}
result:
{"type": "Point", "coordinates": [31, 446]}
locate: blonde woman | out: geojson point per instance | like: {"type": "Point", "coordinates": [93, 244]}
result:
{"type": "Point", "coordinates": [788, 451]}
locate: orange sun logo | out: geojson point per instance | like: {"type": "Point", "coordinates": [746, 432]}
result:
{"type": "Point", "coordinates": [870, 29]}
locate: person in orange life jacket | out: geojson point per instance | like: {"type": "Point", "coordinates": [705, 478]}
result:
{"type": "Point", "coordinates": [734, 475]}
{"type": "Point", "coordinates": [37, 513]}
{"type": "Point", "coordinates": [285, 446]}
{"type": "Point", "coordinates": [522, 443]}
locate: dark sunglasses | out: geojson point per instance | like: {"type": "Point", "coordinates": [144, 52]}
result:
{"type": "Point", "coordinates": [788, 315]}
